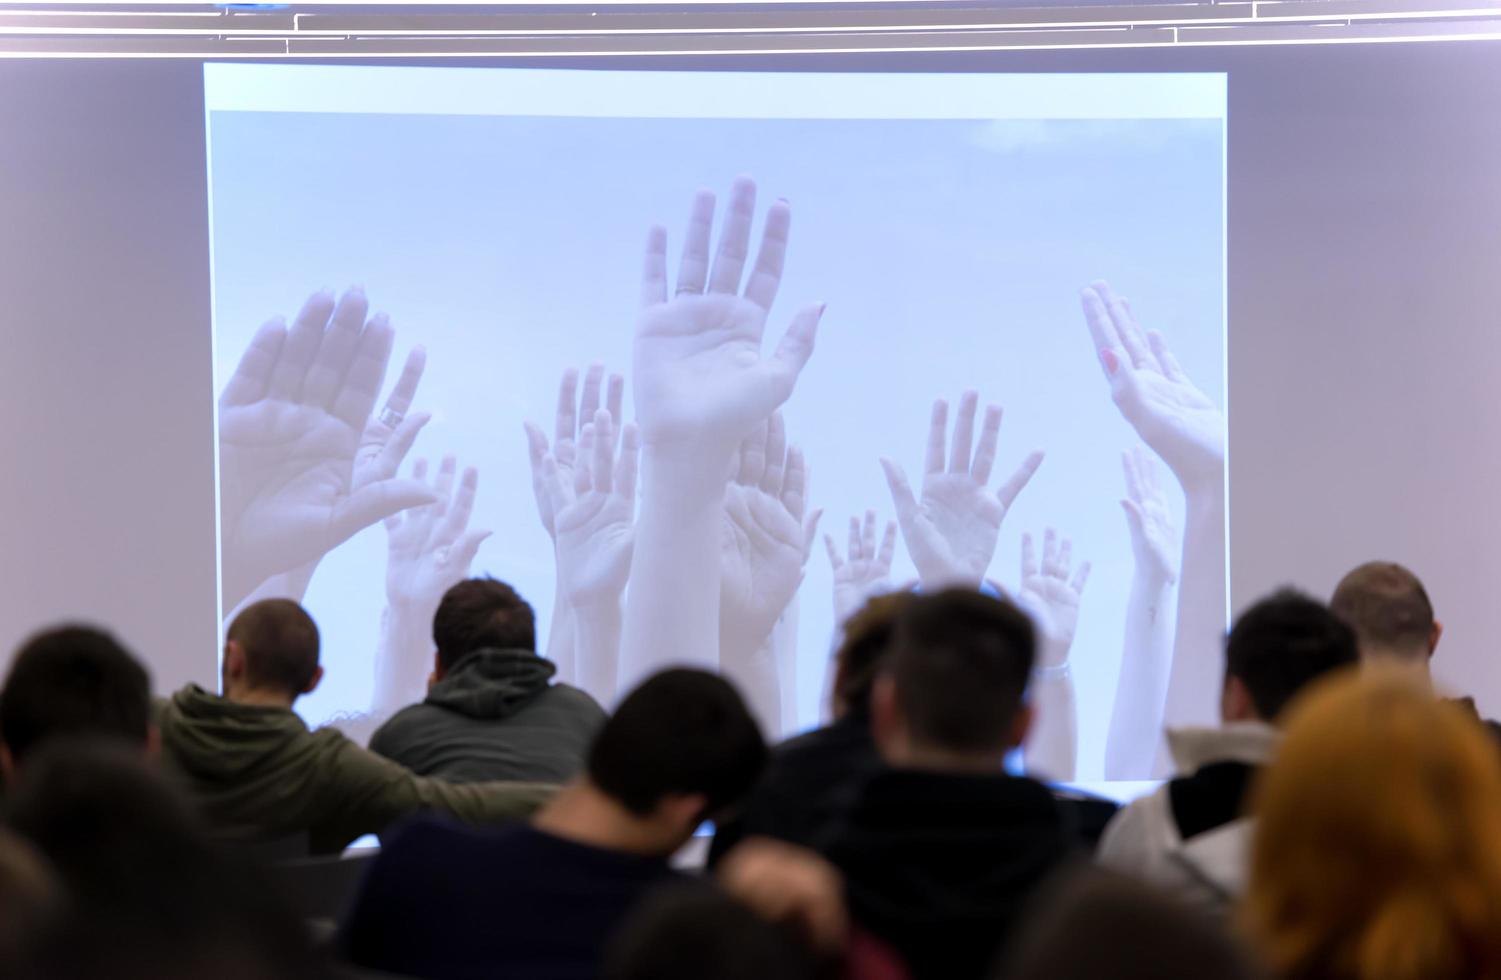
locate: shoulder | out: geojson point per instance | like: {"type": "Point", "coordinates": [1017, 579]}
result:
{"type": "Point", "coordinates": [1140, 833]}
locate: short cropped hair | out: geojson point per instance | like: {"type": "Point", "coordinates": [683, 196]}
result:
{"type": "Point", "coordinates": [1386, 605]}
{"type": "Point", "coordinates": [280, 641]}
{"type": "Point", "coordinates": [682, 731]}
{"type": "Point", "coordinates": [482, 614]}
{"type": "Point", "coordinates": [74, 680]}
{"type": "Point", "coordinates": [960, 662]}
{"type": "Point", "coordinates": [867, 640]}
{"type": "Point", "coordinates": [1281, 644]}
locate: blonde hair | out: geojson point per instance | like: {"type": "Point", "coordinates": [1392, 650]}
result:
{"type": "Point", "coordinates": [1377, 853]}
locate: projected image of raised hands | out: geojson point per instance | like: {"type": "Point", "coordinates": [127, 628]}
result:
{"type": "Point", "coordinates": [701, 383]}
{"type": "Point", "coordinates": [1187, 430]}
{"type": "Point", "coordinates": [952, 528]}
{"type": "Point", "coordinates": [864, 570]}
{"type": "Point", "coordinates": [573, 409]}
{"type": "Point", "coordinates": [767, 536]}
{"type": "Point", "coordinates": [293, 422]}
{"type": "Point", "coordinates": [1050, 591]}
{"type": "Point", "coordinates": [594, 508]}
{"type": "Point", "coordinates": [428, 551]}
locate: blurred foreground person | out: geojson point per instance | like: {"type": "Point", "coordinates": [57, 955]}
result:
{"type": "Point", "coordinates": [1191, 836]}
{"type": "Point", "coordinates": [72, 681]}
{"type": "Point", "coordinates": [450, 903]}
{"type": "Point", "coordinates": [1095, 924]}
{"type": "Point", "coordinates": [942, 850]}
{"type": "Point", "coordinates": [146, 894]}
{"type": "Point", "coordinates": [813, 777]}
{"type": "Point", "coordinates": [1377, 853]}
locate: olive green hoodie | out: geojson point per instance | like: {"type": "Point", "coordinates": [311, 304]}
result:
{"type": "Point", "coordinates": [258, 770]}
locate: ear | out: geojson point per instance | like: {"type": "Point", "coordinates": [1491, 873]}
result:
{"type": "Point", "coordinates": [886, 721]}
{"type": "Point", "coordinates": [1236, 703]}
{"type": "Point", "coordinates": [683, 812]}
{"type": "Point", "coordinates": [1021, 725]}
{"type": "Point", "coordinates": [234, 661]}
{"type": "Point", "coordinates": [438, 672]}
{"type": "Point", "coordinates": [312, 685]}
{"type": "Point", "coordinates": [153, 743]}
{"type": "Point", "coordinates": [1434, 635]}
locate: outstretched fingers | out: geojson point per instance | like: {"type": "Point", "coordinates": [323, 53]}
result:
{"type": "Point", "coordinates": [1009, 490]}
{"type": "Point", "coordinates": [734, 238]}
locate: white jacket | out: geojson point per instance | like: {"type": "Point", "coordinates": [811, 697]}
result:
{"type": "Point", "coordinates": [1207, 870]}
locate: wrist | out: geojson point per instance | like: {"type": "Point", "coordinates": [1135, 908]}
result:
{"type": "Point", "coordinates": [680, 474]}
{"type": "Point", "coordinates": [1048, 673]}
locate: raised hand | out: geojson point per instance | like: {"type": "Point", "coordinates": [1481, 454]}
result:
{"type": "Point", "coordinates": [700, 379]}
{"type": "Point", "coordinates": [429, 549]}
{"type": "Point", "coordinates": [595, 512]}
{"type": "Point", "coordinates": [1051, 596]}
{"type": "Point", "coordinates": [951, 532]}
{"type": "Point", "coordinates": [1149, 387]}
{"type": "Point", "coordinates": [291, 422]}
{"type": "Point", "coordinates": [566, 429]}
{"type": "Point", "coordinates": [766, 536]}
{"type": "Point", "coordinates": [1154, 537]}
{"type": "Point", "coordinates": [865, 570]}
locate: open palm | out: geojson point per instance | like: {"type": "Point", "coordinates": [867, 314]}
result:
{"type": "Point", "coordinates": [699, 376]}
{"type": "Point", "coordinates": [766, 537]}
{"type": "Point", "coordinates": [1051, 596]}
{"type": "Point", "coordinates": [951, 531]}
{"type": "Point", "coordinates": [291, 420]}
{"type": "Point", "coordinates": [596, 515]}
{"type": "Point", "coordinates": [1153, 393]}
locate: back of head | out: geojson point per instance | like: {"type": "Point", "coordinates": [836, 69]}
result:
{"type": "Point", "coordinates": [867, 640]}
{"type": "Point", "coordinates": [960, 662]}
{"type": "Point", "coordinates": [1094, 923]}
{"type": "Point", "coordinates": [1281, 644]}
{"type": "Point", "coordinates": [1388, 608]}
{"type": "Point", "coordinates": [280, 645]}
{"type": "Point", "coordinates": [696, 931]}
{"type": "Point", "coordinates": [75, 680]}
{"type": "Point", "coordinates": [1377, 853]}
{"type": "Point", "coordinates": [482, 614]}
{"type": "Point", "coordinates": [682, 732]}
{"type": "Point", "coordinates": [148, 895]}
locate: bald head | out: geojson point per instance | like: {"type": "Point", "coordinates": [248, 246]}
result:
{"type": "Point", "coordinates": [1388, 608]}
{"type": "Point", "coordinates": [273, 645]}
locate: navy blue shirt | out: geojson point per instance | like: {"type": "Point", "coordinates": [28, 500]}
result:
{"type": "Point", "coordinates": [451, 902]}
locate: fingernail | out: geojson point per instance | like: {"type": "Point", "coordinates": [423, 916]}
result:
{"type": "Point", "coordinates": [821, 307]}
{"type": "Point", "coordinates": [1109, 360]}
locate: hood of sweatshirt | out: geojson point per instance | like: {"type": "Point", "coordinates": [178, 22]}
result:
{"type": "Point", "coordinates": [218, 742]}
{"type": "Point", "coordinates": [492, 684]}
{"type": "Point", "coordinates": [941, 865]}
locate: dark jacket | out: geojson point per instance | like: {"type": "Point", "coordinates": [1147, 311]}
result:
{"type": "Point", "coordinates": [941, 865]}
{"type": "Point", "coordinates": [258, 771]}
{"type": "Point", "coordinates": [450, 903]}
{"type": "Point", "coordinates": [809, 784]}
{"type": "Point", "coordinates": [494, 716]}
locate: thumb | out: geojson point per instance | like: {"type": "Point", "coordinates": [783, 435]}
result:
{"type": "Point", "coordinates": [461, 554]}
{"type": "Point", "coordinates": [796, 346]}
{"type": "Point", "coordinates": [810, 532]}
{"type": "Point", "coordinates": [901, 491]}
{"type": "Point", "coordinates": [373, 503]}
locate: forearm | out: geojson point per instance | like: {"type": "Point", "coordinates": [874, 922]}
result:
{"type": "Point", "coordinates": [597, 647]}
{"type": "Point", "coordinates": [754, 672]}
{"type": "Point", "coordinates": [1051, 751]}
{"type": "Point", "coordinates": [1141, 687]}
{"type": "Point", "coordinates": [672, 606]}
{"type": "Point", "coordinates": [561, 643]}
{"type": "Point", "coordinates": [1197, 671]}
{"type": "Point", "coordinates": [403, 659]}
